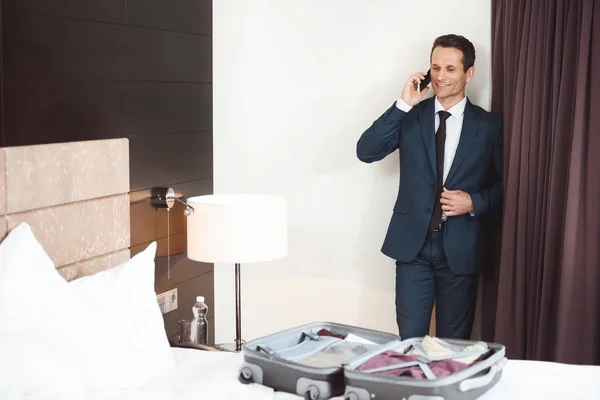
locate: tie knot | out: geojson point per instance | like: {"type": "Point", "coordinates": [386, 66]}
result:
{"type": "Point", "coordinates": [444, 115]}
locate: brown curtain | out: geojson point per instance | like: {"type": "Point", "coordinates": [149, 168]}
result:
{"type": "Point", "coordinates": [545, 292]}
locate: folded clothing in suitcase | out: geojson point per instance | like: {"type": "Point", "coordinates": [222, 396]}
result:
{"type": "Point", "coordinates": [425, 369]}
{"type": "Point", "coordinates": [308, 360]}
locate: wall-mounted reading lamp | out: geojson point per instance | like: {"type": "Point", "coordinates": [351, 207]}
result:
{"type": "Point", "coordinates": [164, 197]}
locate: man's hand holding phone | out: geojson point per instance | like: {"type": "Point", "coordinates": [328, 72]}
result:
{"type": "Point", "coordinates": [410, 93]}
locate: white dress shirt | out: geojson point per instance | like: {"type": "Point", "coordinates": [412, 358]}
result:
{"type": "Point", "coordinates": [453, 128]}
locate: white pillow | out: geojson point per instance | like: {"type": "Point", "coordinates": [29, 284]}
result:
{"type": "Point", "coordinates": [127, 293]}
{"type": "Point", "coordinates": [53, 340]}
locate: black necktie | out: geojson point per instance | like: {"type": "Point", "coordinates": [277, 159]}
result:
{"type": "Point", "coordinates": [440, 143]}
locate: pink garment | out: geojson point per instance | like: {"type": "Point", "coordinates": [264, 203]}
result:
{"type": "Point", "coordinates": [325, 332]}
{"type": "Point", "coordinates": [439, 368]}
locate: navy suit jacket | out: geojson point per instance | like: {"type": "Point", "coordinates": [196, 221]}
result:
{"type": "Point", "coordinates": [477, 169]}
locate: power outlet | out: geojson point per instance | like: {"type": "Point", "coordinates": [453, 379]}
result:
{"type": "Point", "coordinates": [167, 301]}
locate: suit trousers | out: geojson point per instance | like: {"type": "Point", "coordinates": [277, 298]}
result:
{"type": "Point", "coordinates": [428, 279]}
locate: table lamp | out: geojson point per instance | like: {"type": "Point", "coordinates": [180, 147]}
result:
{"type": "Point", "coordinates": [237, 228]}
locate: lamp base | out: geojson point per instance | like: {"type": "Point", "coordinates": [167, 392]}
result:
{"type": "Point", "coordinates": [231, 347]}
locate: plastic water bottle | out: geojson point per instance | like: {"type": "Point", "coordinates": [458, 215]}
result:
{"type": "Point", "coordinates": [200, 323]}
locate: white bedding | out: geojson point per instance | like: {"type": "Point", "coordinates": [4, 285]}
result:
{"type": "Point", "coordinates": [90, 343]}
{"type": "Point", "coordinates": [213, 375]}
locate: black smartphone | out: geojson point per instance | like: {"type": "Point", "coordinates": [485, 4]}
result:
{"type": "Point", "coordinates": [425, 81]}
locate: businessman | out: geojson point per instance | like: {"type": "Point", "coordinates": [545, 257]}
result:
{"type": "Point", "coordinates": [451, 175]}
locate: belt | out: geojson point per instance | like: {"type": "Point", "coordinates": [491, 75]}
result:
{"type": "Point", "coordinates": [439, 227]}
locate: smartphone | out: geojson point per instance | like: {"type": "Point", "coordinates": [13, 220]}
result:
{"type": "Point", "coordinates": [425, 81]}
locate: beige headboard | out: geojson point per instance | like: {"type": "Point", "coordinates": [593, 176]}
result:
{"type": "Point", "coordinates": [75, 197]}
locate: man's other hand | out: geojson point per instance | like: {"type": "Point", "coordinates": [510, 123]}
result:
{"type": "Point", "coordinates": [456, 202]}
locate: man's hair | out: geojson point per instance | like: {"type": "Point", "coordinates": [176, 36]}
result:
{"type": "Point", "coordinates": [458, 42]}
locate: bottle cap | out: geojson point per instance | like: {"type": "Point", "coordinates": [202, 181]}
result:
{"type": "Point", "coordinates": [199, 299]}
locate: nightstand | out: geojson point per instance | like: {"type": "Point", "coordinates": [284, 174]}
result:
{"type": "Point", "coordinates": [204, 347]}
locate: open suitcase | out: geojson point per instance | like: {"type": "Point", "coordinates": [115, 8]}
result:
{"type": "Point", "coordinates": [480, 369]}
{"type": "Point", "coordinates": [308, 360]}
{"type": "Point", "coordinates": [322, 360]}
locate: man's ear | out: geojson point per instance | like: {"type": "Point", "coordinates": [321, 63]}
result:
{"type": "Point", "coordinates": [470, 73]}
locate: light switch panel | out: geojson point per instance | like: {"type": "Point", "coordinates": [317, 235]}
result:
{"type": "Point", "coordinates": [167, 301]}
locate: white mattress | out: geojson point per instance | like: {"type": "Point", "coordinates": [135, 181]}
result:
{"type": "Point", "coordinates": [545, 380]}
{"type": "Point", "coordinates": [213, 375]}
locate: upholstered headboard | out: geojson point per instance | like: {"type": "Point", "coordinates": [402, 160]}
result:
{"type": "Point", "coordinates": [75, 197]}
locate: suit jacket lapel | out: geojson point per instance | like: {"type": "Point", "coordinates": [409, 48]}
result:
{"type": "Point", "coordinates": [469, 131]}
{"type": "Point", "coordinates": [427, 124]}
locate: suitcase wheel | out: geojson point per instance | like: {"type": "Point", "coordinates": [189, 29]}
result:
{"type": "Point", "coordinates": [312, 393]}
{"type": "Point", "coordinates": [245, 375]}
{"type": "Point", "coordinates": [354, 393]}
{"type": "Point", "coordinates": [351, 396]}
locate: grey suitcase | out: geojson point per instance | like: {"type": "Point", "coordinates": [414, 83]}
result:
{"type": "Point", "coordinates": [469, 383]}
{"type": "Point", "coordinates": [307, 360]}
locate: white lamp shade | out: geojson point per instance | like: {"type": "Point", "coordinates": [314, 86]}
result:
{"type": "Point", "coordinates": [237, 228]}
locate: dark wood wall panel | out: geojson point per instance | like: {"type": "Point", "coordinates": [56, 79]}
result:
{"type": "Point", "coordinates": [161, 160]}
{"type": "Point", "coordinates": [49, 48]}
{"type": "Point", "coordinates": [165, 56]}
{"type": "Point", "coordinates": [192, 16]}
{"type": "Point", "coordinates": [167, 107]}
{"type": "Point", "coordinates": [93, 69]}
{"type": "Point", "coordinates": [38, 112]}
{"type": "Point", "coordinates": [62, 79]}
{"type": "Point", "coordinates": [93, 10]}
{"type": "Point", "coordinates": [149, 224]}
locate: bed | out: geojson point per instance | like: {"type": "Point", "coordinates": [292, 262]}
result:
{"type": "Point", "coordinates": [213, 375]}
{"type": "Point", "coordinates": [79, 317]}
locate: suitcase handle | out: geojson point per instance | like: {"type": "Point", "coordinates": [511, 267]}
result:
{"type": "Point", "coordinates": [481, 381]}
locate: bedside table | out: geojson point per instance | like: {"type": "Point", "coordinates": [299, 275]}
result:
{"type": "Point", "coordinates": [203, 347]}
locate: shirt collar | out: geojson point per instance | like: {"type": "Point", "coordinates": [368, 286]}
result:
{"type": "Point", "coordinates": [457, 111]}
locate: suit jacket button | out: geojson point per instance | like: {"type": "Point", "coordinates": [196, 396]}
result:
{"type": "Point", "coordinates": [428, 210]}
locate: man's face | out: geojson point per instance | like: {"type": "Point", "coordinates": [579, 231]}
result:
{"type": "Point", "coordinates": [448, 77]}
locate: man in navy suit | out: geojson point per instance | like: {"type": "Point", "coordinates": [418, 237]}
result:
{"type": "Point", "coordinates": [451, 176]}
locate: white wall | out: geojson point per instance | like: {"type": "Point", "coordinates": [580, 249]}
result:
{"type": "Point", "coordinates": [295, 84]}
